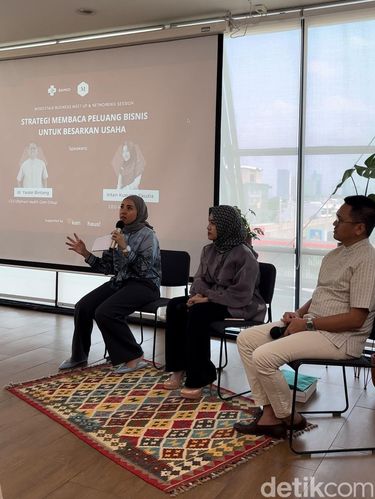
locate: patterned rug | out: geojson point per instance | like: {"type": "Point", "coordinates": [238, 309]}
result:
{"type": "Point", "coordinates": [171, 443]}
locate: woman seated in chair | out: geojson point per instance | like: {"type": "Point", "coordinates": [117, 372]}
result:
{"type": "Point", "coordinates": [135, 263]}
{"type": "Point", "coordinates": [225, 285]}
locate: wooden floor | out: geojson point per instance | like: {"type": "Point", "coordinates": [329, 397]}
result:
{"type": "Point", "coordinates": [41, 459]}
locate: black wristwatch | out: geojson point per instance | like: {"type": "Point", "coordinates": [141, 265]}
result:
{"type": "Point", "coordinates": [310, 324]}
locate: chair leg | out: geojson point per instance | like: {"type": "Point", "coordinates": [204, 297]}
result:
{"type": "Point", "coordinates": [366, 378]}
{"type": "Point", "coordinates": [226, 352]}
{"type": "Point", "coordinates": [338, 413]}
{"type": "Point", "coordinates": [223, 340]}
{"type": "Point", "coordinates": [334, 413]}
{"type": "Point", "coordinates": [294, 400]}
{"type": "Point", "coordinates": [154, 344]}
{"type": "Point", "coordinates": [367, 373]}
{"type": "Point", "coordinates": [219, 371]}
{"type": "Point", "coordinates": [141, 324]}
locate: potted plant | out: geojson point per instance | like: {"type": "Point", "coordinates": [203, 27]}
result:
{"type": "Point", "coordinates": [367, 172]}
{"type": "Point", "coordinates": [251, 232]}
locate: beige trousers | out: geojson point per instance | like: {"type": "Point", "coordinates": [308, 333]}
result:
{"type": "Point", "coordinates": [262, 357]}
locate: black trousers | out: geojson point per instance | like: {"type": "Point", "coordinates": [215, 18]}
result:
{"type": "Point", "coordinates": [110, 307]}
{"type": "Point", "coordinates": [187, 339]}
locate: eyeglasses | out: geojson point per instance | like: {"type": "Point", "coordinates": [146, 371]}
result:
{"type": "Point", "coordinates": [338, 221]}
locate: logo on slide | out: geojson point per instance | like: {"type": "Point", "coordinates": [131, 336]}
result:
{"type": "Point", "coordinates": [52, 90]}
{"type": "Point", "coordinates": [82, 88]}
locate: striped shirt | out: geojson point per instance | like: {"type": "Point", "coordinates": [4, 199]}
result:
{"type": "Point", "coordinates": [346, 280]}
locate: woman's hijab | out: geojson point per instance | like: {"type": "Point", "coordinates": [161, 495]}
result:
{"type": "Point", "coordinates": [131, 168]}
{"type": "Point", "coordinates": [142, 215]}
{"type": "Point", "coordinates": [230, 229]}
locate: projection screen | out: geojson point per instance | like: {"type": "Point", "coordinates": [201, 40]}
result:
{"type": "Point", "coordinates": [81, 131]}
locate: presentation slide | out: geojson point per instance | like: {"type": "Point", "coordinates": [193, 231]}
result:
{"type": "Point", "coordinates": [81, 131]}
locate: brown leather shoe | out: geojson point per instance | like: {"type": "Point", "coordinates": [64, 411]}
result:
{"type": "Point", "coordinates": [253, 428]}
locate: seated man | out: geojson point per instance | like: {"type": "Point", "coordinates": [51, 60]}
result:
{"type": "Point", "coordinates": [334, 324]}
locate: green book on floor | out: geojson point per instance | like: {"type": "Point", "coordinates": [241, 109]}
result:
{"type": "Point", "coordinates": [306, 385]}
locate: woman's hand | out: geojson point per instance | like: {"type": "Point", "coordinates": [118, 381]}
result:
{"type": "Point", "coordinates": [120, 239]}
{"type": "Point", "coordinates": [77, 245]}
{"type": "Point", "coordinates": [198, 298]}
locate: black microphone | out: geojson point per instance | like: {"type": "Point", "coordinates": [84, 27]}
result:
{"type": "Point", "coordinates": [120, 224]}
{"type": "Point", "coordinates": [277, 331]}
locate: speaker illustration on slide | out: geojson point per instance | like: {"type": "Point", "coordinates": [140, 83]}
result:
{"type": "Point", "coordinates": [128, 164]}
{"type": "Point", "coordinates": [33, 169]}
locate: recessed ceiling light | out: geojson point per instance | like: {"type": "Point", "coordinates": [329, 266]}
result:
{"type": "Point", "coordinates": [85, 11]}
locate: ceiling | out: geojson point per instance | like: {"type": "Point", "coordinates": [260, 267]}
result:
{"type": "Point", "coordinates": [26, 20]}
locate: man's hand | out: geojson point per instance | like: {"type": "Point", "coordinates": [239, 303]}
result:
{"type": "Point", "coordinates": [288, 316]}
{"type": "Point", "coordinates": [296, 325]}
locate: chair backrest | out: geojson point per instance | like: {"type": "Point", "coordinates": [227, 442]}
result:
{"type": "Point", "coordinates": [267, 284]}
{"type": "Point", "coordinates": [372, 334]}
{"type": "Point", "coordinates": [369, 348]}
{"type": "Point", "coordinates": [175, 268]}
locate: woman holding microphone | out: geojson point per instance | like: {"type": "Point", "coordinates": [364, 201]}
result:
{"type": "Point", "coordinates": [135, 265]}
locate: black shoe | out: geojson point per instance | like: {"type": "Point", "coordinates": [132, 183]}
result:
{"type": "Point", "coordinates": [274, 431]}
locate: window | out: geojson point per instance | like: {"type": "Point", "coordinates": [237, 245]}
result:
{"type": "Point", "coordinates": [260, 140]}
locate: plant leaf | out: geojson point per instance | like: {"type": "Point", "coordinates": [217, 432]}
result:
{"type": "Point", "coordinates": [365, 172]}
{"type": "Point", "coordinates": [370, 161]}
{"type": "Point", "coordinates": [347, 174]}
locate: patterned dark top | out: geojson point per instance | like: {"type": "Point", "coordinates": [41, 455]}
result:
{"type": "Point", "coordinates": [142, 263]}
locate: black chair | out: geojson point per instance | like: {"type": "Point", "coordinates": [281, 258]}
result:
{"type": "Point", "coordinates": [230, 328]}
{"type": "Point", "coordinates": [368, 351]}
{"type": "Point", "coordinates": [175, 269]}
{"type": "Point", "coordinates": [362, 362]}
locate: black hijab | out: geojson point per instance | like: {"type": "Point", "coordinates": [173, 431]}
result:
{"type": "Point", "coordinates": [230, 229]}
{"type": "Point", "coordinates": [142, 215]}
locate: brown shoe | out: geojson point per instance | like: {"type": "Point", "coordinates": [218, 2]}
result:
{"type": "Point", "coordinates": [253, 428]}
